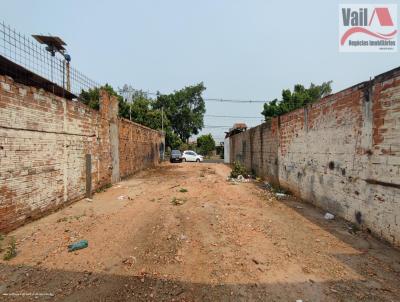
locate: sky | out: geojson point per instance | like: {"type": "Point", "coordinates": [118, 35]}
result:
{"type": "Point", "coordinates": [240, 49]}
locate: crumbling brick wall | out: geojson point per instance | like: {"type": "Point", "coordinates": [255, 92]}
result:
{"type": "Point", "coordinates": [342, 153]}
{"type": "Point", "coordinates": [43, 143]}
{"type": "Point", "coordinates": [139, 147]}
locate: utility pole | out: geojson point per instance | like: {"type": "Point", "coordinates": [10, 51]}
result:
{"type": "Point", "coordinates": [162, 119]}
{"type": "Point", "coordinates": [162, 131]}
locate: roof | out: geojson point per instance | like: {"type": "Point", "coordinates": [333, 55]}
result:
{"type": "Point", "coordinates": [237, 128]}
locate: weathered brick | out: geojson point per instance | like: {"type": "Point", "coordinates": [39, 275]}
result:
{"type": "Point", "coordinates": [43, 143]}
{"type": "Point", "coordinates": [337, 153]}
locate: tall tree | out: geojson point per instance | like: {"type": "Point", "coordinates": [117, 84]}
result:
{"type": "Point", "coordinates": [300, 97]}
{"type": "Point", "coordinates": [142, 112]}
{"type": "Point", "coordinates": [184, 109]}
{"type": "Point", "coordinates": [180, 114]}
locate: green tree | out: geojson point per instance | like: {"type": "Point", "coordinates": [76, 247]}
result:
{"type": "Point", "coordinates": [180, 114]}
{"type": "Point", "coordinates": [142, 112]}
{"type": "Point", "coordinates": [92, 99]}
{"type": "Point", "coordinates": [205, 144]}
{"type": "Point", "coordinates": [184, 109]}
{"type": "Point", "coordinates": [172, 139]}
{"type": "Point", "coordinates": [300, 97]}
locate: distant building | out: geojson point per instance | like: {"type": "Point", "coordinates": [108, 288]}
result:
{"type": "Point", "coordinates": [237, 128]}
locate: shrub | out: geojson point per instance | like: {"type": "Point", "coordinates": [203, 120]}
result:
{"type": "Point", "coordinates": [238, 169]}
{"type": "Point", "coordinates": [11, 251]}
{"type": "Point", "coordinates": [178, 201]}
{"type": "Point", "coordinates": [206, 144]}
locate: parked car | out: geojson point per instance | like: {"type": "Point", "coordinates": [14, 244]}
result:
{"type": "Point", "coordinates": [190, 155]}
{"type": "Point", "coordinates": [176, 156]}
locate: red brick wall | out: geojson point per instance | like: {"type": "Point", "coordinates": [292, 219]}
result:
{"type": "Point", "coordinates": [43, 143]}
{"type": "Point", "coordinates": [139, 147]}
{"type": "Point", "coordinates": [341, 153]}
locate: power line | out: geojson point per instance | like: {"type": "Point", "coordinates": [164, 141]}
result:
{"type": "Point", "coordinates": [220, 99]}
{"type": "Point", "coordinates": [232, 101]}
{"type": "Point", "coordinates": [211, 126]}
{"type": "Point", "coordinates": [234, 116]}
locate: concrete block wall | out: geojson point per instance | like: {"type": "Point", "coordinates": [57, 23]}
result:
{"type": "Point", "coordinates": [341, 153]}
{"type": "Point", "coordinates": [257, 150]}
{"type": "Point", "coordinates": [43, 143]}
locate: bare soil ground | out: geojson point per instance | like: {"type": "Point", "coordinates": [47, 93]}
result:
{"type": "Point", "coordinates": [216, 242]}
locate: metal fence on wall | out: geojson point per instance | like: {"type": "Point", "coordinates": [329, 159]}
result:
{"type": "Point", "coordinates": [31, 55]}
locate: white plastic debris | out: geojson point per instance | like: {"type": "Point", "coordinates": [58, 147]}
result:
{"type": "Point", "coordinates": [329, 216]}
{"type": "Point", "coordinates": [280, 194]}
{"type": "Point", "coordinates": [122, 197]}
{"type": "Point", "coordinates": [240, 178]}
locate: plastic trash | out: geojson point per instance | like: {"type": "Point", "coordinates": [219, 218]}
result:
{"type": "Point", "coordinates": [329, 216]}
{"type": "Point", "coordinates": [81, 244]}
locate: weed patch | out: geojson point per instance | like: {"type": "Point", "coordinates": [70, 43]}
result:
{"type": "Point", "coordinates": [104, 188]}
{"type": "Point", "coordinates": [238, 169]}
{"type": "Point", "coordinates": [11, 250]}
{"type": "Point", "coordinates": [178, 201]}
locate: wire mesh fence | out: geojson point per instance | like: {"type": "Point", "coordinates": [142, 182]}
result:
{"type": "Point", "coordinates": [31, 55]}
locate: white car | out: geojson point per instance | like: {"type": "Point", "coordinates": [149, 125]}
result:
{"type": "Point", "coordinates": [190, 155]}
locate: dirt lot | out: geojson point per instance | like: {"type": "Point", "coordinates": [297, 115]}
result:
{"type": "Point", "coordinates": [216, 242]}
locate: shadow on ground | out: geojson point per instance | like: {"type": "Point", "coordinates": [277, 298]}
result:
{"type": "Point", "coordinates": [58, 285]}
